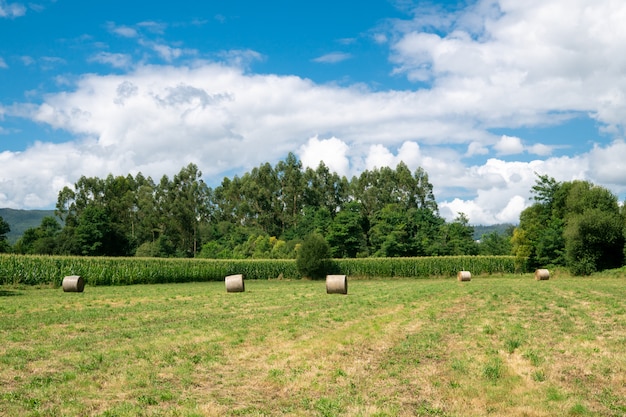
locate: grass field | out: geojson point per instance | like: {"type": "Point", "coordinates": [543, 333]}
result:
{"type": "Point", "coordinates": [499, 345]}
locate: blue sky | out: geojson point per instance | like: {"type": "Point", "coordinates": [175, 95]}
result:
{"type": "Point", "coordinates": [484, 95]}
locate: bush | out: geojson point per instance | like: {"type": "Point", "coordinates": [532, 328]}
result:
{"type": "Point", "coordinates": [313, 260]}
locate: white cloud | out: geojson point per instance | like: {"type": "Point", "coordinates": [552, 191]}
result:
{"type": "Point", "coordinates": [517, 63]}
{"type": "Point", "coordinates": [157, 119]}
{"type": "Point", "coordinates": [380, 38]}
{"type": "Point", "coordinates": [509, 145]}
{"type": "Point", "coordinates": [123, 31]}
{"type": "Point", "coordinates": [540, 149]}
{"type": "Point", "coordinates": [11, 10]}
{"type": "Point", "coordinates": [606, 164]}
{"type": "Point", "coordinates": [154, 27]}
{"type": "Point", "coordinates": [502, 189]}
{"type": "Point", "coordinates": [240, 58]}
{"type": "Point", "coordinates": [332, 151]}
{"type": "Point", "coordinates": [115, 60]}
{"type": "Point", "coordinates": [166, 52]}
{"type": "Point", "coordinates": [333, 58]}
{"type": "Point", "coordinates": [379, 156]}
{"type": "Point", "coordinates": [27, 60]}
{"type": "Point", "coordinates": [476, 148]}
{"type": "Point", "coordinates": [3, 63]}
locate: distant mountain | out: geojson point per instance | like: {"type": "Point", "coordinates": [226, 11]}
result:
{"type": "Point", "coordinates": [479, 231]}
{"type": "Point", "coordinates": [21, 220]}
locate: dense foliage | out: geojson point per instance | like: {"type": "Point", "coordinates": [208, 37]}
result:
{"type": "Point", "coordinates": [4, 229]}
{"type": "Point", "coordinates": [266, 213]}
{"type": "Point", "coordinates": [574, 224]}
{"type": "Point", "coordinates": [313, 259]}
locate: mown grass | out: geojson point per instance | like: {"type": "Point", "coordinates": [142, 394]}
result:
{"type": "Point", "coordinates": [500, 346]}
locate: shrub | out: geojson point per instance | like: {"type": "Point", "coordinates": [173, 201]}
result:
{"type": "Point", "coordinates": [313, 260]}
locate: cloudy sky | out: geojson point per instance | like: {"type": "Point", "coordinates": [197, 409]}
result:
{"type": "Point", "coordinates": [484, 95]}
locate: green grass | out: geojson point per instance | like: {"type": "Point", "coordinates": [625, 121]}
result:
{"type": "Point", "coordinates": [506, 345]}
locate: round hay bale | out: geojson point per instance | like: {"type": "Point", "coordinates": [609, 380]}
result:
{"type": "Point", "coordinates": [73, 283]}
{"type": "Point", "coordinates": [336, 284]}
{"type": "Point", "coordinates": [542, 274]}
{"type": "Point", "coordinates": [464, 276]}
{"type": "Point", "coordinates": [234, 283]}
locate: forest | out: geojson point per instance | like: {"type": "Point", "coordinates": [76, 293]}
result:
{"type": "Point", "coordinates": [269, 211]}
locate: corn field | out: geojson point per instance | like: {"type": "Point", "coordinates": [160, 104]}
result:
{"type": "Point", "coordinates": [423, 267]}
{"type": "Point", "coordinates": [50, 270]}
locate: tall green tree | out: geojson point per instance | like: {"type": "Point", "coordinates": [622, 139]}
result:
{"type": "Point", "coordinates": [576, 224]}
{"type": "Point", "coordinates": [345, 235]}
{"type": "Point", "coordinates": [539, 236]}
{"type": "Point", "coordinates": [457, 237]}
{"type": "Point", "coordinates": [4, 242]}
{"type": "Point", "coordinates": [41, 239]}
{"type": "Point", "coordinates": [593, 234]}
{"type": "Point", "coordinates": [97, 235]}
{"type": "Point", "coordinates": [291, 191]}
{"type": "Point", "coordinates": [390, 232]}
{"type": "Point", "coordinates": [426, 225]}
{"type": "Point", "coordinates": [325, 189]}
{"type": "Point", "coordinates": [184, 204]}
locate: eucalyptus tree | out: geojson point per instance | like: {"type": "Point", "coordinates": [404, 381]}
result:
{"type": "Point", "coordinates": [325, 189]}
{"type": "Point", "coordinates": [390, 232]}
{"type": "Point", "coordinates": [261, 189]}
{"type": "Point", "coordinates": [345, 233]}
{"type": "Point", "coordinates": [183, 203]}
{"type": "Point", "coordinates": [291, 180]}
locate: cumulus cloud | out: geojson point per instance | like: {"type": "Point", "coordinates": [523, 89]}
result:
{"type": "Point", "coordinates": [332, 151]}
{"type": "Point", "coordinates": [509, 145]}
{"type": "Point", "coordinates": [540, 149]}
{"type": "Point", "coordinates": [606, 164]}
{"type": "Point", "coordinates": [157, 119]}
{"type": "Point", "coordinates": [519, 62]}
{"type": "Point", "coordinates": [476, 148]}
{"type": "Point", "coordinates": [379, 156]}
{"type": "Point", "coordinates": [502, 189]}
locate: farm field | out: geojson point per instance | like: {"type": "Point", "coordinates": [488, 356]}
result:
{"type": "Point", "coordinates": [503, 345]}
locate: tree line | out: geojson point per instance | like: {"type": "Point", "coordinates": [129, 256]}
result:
{"type": "Point", "coordinates": [265, 213]}
{"type": "Point", "coordinates": [269, 211]}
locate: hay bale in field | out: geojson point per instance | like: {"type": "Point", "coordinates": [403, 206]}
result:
{"type": "Point", "coordinates": [234, 283]}
{"type": "Point", "coordinates": [336, 284]}
{"type": "Point", "coordinates": [73, 283]}
{"type": "Point", "coordinates": [542, 274]}
{"type": "Point", "coordinates": [464, 276]}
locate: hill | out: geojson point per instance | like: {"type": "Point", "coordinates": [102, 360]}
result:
{"type": "Point", "coordinates": [479, 230]}
{"type": "Point", "coordinates": [21, 220]}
